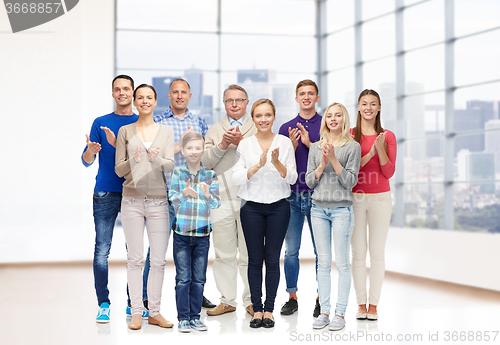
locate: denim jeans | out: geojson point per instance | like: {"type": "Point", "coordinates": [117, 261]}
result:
{"type": "Point", "coordinates": [337, 223]}
{"type": "Point", "coordinates": [300, 209]}
{"type": "Point", "coordinates": [190, 258]}
{"type": "Point", "coordinates": [264, 227]}
{"type": "Point", "coordinates": [106, 206]}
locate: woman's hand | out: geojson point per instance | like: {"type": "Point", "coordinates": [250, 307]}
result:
{"type": "Point", "coordinates": [379, 143]}
{"type": "Point", "coordinates": [324, 160]}
{"type": "Point", "coordinates": [153, 153]}
{"type": "Point", "coordinates": [275, 155]}
{"type": "Point", "coordinates": [329, 151]}
{"type": "Point", "coordinates": [137, 153]}
{"type": "Point", "coordinates": [263, 159]}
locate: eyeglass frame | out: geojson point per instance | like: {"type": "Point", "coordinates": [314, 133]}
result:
{"type": "Point", "coordinates": [232, 101]}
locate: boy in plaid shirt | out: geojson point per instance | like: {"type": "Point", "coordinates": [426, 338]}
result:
{"type": "Point", "coordinates": [194, 191]}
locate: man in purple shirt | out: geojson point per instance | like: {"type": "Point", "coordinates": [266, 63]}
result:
{"type": "Point", "coordinates": [303, 130]}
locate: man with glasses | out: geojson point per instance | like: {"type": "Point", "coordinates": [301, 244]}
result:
{"type": "Point", "coordinates": [221, 142]}
{"type": "Point", "coordinates": [182, 121]}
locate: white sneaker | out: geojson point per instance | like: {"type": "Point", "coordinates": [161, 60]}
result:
{"type": "Point", "coordinates": [337, 323]}
{"type": "Point", "coordinates": [321, 321]}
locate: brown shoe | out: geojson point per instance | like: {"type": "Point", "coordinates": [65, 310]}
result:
{"type": "Point", "coordinates": [221, 309]}
{"type": "Point", "coordinates": [249, 309]}
{"type": "Point", "coordinates": [159, 320]}
{"type": "Point", "coordinates": [136, 322]}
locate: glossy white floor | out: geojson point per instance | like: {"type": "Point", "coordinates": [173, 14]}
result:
{"type": "Point", "coordinates": [55, 304]}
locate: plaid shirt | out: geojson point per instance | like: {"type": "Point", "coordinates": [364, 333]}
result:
{"type": "Point", "coordinates": [192, 214]}
{"type": "Point", "coordinates": [179, 126]}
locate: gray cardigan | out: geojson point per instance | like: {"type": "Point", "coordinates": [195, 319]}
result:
{"type": "Point", "coordinates": [332, 190]}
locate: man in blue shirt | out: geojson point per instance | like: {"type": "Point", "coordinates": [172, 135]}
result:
{"type": "Point", "coordinates": [108, 188]}
{"type": "Point", "coordinates": [182, 121]}
{"type": "Point", "coordinates": [303, 130]}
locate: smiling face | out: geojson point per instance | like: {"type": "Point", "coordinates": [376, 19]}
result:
{"type": "Point", "coordinates": [193, 150]}
{"type": "Point", "coordinates": [234, 109]}
{"type": "Point", "coordinates": [369, 107]}
{"type": "Point", "coordinates": [179, 96]}
{"type": "Point", "coordinates": [122, 92]}
{"type": "Point", "coordinates": [334, 119]}
{"type": "Point", "coordinates": [145, 101]}
{"type": "Point", "coordinates": [263, 117]}
{"type": "Point", "coordinates": [307, 97]}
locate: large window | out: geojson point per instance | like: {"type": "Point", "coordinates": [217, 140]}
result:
{"type": "Point", "coordinates": [434, 63]}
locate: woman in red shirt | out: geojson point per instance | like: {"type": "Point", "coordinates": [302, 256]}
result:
{"type": "Point", "coordinates": [372, 201]}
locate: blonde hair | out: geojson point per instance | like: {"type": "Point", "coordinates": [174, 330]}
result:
{"type": "Point", "coordinates": [324, 131]}
{"type": "Point", "coordinates": [260, 102]}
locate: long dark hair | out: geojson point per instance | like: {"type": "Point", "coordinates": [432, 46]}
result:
{"type": "Point", "coordinates": [358, 135]}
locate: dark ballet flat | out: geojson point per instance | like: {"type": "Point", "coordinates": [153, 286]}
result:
{"type": "Point", "coordinates": [256, 323]}
{"type": "Point", "coordinates": [267, 323]}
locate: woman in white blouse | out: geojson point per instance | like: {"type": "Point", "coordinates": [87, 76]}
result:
{"type": "Point", "coordinates": [264, 170]}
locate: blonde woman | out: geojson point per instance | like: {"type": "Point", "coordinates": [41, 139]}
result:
{"type": "Point", "coordinates": [144, 152]}
{"type": "Point", "coordinates": [332, 171]}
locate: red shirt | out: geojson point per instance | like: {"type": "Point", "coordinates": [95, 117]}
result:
{"type": "Point", "coordinates": [373, 177]}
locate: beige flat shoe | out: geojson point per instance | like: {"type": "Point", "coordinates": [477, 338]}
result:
{"type": "Point", "coordinates": [159, 320]}
{"type": "Point", "coordinates": [136, 322]}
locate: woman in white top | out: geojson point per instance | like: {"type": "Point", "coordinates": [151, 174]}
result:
{"type": "Point", "coordinates": [264, 170]}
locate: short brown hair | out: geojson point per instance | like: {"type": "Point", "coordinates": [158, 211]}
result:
{"type": "Point", "coordinates": [263, 101]}
{"type": "Point", "coordinates": [145, 85]}
{"type": "Point", "coordinates": [176, 80]}
{"type": "Point", "coordinates": [306, 82]}
{"type": "Point", "coordinates": [191, 136]}
{"type": "Point", "coordinates": [234, 87]}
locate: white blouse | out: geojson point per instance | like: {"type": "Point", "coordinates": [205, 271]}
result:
{"type": "Point", "coordinates": [266, 185]}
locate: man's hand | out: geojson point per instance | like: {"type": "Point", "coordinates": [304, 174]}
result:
{"type": "Point", "coordinates": [233, 136]}
{"type": "Point", "coordinates": [110, 136]}
{"type": "Point", "coordinates": [294, 135]}
{"type": "Point", "coordinates": [304, 135]}
{"type": "Point", "coordinates": [177, 147]}
{"type": "Point", "coordinates": [137, 153]}
{"type": "Point", "coordinates": [189, 191]}
{"type": "Point", "coordinates": [92, 147]}
{"type": "Point", "coordinates": [153, 153]}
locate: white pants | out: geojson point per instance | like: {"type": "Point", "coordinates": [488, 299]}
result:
{"type": "Point", "coordinates": [155, 212]}
{"type": "Point", "coordinates": [228, 240]}
{"type": "Point", "coordinates": [375, 211]}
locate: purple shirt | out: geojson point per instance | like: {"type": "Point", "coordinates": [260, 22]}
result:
{"type": "Point", "coordinates": [302, 152]}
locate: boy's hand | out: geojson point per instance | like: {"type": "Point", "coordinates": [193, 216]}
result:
{"type": "Point", "coordinates": [304, 135]}
{"type": "Point", "coordinates": [294, 135]}
{"type": "Point", "coordinates": [205, 188]}
{"type": "Point", "coordinates": [189, 191]}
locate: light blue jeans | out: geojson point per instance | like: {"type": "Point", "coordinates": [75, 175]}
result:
{"type": "Point", "coordinates": [337, 223]}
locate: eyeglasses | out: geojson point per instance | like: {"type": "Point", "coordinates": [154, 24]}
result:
{"type": "Point", "coordinates": [238, 100]}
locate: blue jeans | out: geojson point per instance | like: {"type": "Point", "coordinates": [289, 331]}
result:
{"type": "Point", "coordinates": [264, 227]}
{"type": "Point", "coordinates": [191, 259]}
{"type": "Point", "coordinates": [300, 208]}
{"type": "Point", "coordinates": [145, 274]}
{"type": "Point", "coordinates": [106, 206]}
{"type": "Point", "coordinates": [337, 223]}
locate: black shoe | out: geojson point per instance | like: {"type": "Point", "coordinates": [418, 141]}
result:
{"type": "Point", "coordinates": [206, 304]}
{"type": "Point", "coordinates": [145, 304]}
{"type": "Point", "coordinates": [289, 307]}
{"type": "Point", "coordinates": [317, 309]}
{"type": "Point", "coordinates": [256, 323]}
{"type": "Point", "coordinates": [268, 323]}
